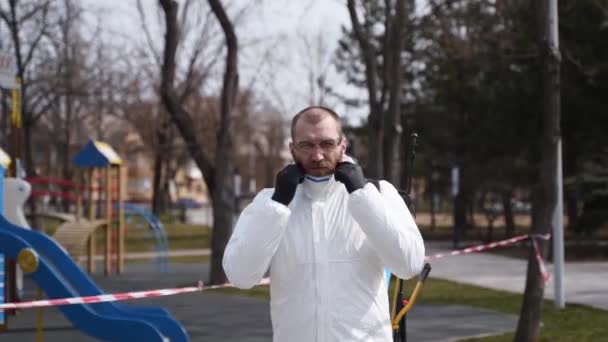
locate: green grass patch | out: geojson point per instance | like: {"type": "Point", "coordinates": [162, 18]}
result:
{"type": "Point", "coordinates": [260, 292]}
{"type": "Point", "coordinates": [142, 239]}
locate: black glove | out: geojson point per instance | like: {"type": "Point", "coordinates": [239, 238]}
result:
{"type": "Point", "coordinates": [286, 183]}
{"type": "Point", "coordinates": [351, 175]}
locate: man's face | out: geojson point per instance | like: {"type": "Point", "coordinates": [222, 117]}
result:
{"type": "Point", "coordinates": [318, 148]}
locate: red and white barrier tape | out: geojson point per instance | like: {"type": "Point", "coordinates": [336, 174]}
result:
{"type": "Point", "coordinates": [541, 261]}
{"type": "Point", "coordinates": [502, 243]}
{"type": "Point", "coordinates": [101, 298]}
{"type": "Point", "coordinates": [266, 281]}
{"type": "Point", "coordinates": [116, 296]}
{"type": "Point", "coordinates": [479, 248]}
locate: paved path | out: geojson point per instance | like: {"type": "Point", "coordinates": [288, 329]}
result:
{"type": "Point", "coordinates": [585, 282]}
{"type": "Point", "coordinates": [212, 317]}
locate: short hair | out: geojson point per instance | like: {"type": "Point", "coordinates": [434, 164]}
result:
{"type": "Point", "coordinates": [314, 114]}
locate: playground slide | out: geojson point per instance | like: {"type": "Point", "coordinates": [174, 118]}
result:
{"type": "Point", "coordinates": [17, 191]}
{"type": "Point", "coordinates": [63, 278]}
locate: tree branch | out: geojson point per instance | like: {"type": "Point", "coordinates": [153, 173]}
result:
{"type": "Point", "coordinates": [144, 27]}
{"type": "Point", "coordinates": [369, 58]}
{"type": "Point", "coordinates": [181, 118]}
{"type": "Point", "coordinates": [230, 84]}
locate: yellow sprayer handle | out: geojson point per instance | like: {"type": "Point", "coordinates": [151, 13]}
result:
{"type": "Point", "coordinates": [421, 278]}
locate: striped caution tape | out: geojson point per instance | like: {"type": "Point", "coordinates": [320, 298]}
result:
{"type": "Point", "coordinates": [117, 296]}
{"type": "Point", "coordinates": [480, 248]}
{"type": "Point", "coordinates": [541, 261]}
{"type": "Point", "coordinates": [266, 281]}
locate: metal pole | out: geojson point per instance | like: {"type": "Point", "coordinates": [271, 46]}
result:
{"type": "Point", "coordinates": [558, 237]}
{"type": "Point", "coordinates": [558, 224]}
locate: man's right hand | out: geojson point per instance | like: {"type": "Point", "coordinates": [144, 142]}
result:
{"type": "Point", "coordinates": [286, 183]}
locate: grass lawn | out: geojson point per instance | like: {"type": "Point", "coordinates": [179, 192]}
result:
{"type": "Point", "coordinates": [139, 238]}
{"type": "Point", "coordinates": [181, 236]}
{"type": "Point", "coordinates": [575, 323]}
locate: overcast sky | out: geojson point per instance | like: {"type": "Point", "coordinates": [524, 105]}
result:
{"type": "Point", "coordinates": [272, 34]}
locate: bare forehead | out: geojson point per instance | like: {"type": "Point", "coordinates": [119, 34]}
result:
{"type": "Point", "coordinates": [316, 124]}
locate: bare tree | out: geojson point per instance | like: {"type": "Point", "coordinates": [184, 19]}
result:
{"type": "Point", "coordinates": [363, 35]}
{"type": "Point", "coordinates": [383, 80]}
{"type": "Point", "coordinates": [316, 61]}
{"type": "Point", "coordinates": [217, 172]}
{"type": "Point", "coordinates": [28, 23]}
{"type": "Point", "coordinates": [395, 43]}
{"type": "Point", "coordinates": [528, 327]}
{"type": "Point", "coordinates": [196, 30]}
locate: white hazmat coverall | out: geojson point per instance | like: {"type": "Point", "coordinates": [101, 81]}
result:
{"type": "Point", "coordinates": [327, 252]}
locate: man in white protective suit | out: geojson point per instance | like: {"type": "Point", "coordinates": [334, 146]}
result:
{"type": "Point", "coordinates": [327, 236]}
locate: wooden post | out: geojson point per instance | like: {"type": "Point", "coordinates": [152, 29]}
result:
{"type": "Point", "coordinates": [108, 230]}
{"type": "Point", "coordinates": [121, 220]}
{"type": "Point", "coordinates": [78, 191]}
{"type": "Point", "coordinates": [91, 201]}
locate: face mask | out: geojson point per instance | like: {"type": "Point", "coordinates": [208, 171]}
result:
{"type": "Point", "coordinates": [317, 179]}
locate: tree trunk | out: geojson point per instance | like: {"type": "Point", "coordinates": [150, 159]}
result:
{"type": "Point", "coordinates": [376, 123]}
{"type": "Point", "coordinates": [508, 213]}
{"type": "Point", "coordinates": [460, 210]}
{"type": "Point", "coordinates": [66, 170]}
{"type": "Point", "coordinates": [460, 219]}
{"type": "Point", "coordinates": [159, 163]}
{"type": "Point", "coordinates": [528, 327]}
{"type": "Point", "coordinates": [218, 177]}
{"type": "Point", "coordinates": [156, 183]}
{"type": "Point", "coordinates": [573, 212]}
{"type": "Point", "coordinates": [392, 138]}
{"type": "Point", "coordinates": [223, 195]}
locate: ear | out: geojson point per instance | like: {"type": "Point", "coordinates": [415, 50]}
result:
{"type": "Point", "coordinates": [343, 144]}
{"type": "Point", "coordinates": [293, 155]}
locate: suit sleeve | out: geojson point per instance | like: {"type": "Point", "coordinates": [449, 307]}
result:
{"type": "Point", "coordinates": [255, 239]}
{"type": "Point", "coordinates": [390, 228]}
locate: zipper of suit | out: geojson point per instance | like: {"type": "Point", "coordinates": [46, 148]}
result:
{"type": "Point", "coordinates": [316, 274]}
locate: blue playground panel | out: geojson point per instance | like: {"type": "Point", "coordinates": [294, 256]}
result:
{"type": "Point", "coordinates": [96, 154]}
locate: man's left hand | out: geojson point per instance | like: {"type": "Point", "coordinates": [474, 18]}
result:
{"type": "Point", "coordinates": [351, 175]}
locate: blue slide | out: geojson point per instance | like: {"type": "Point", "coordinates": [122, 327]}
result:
{"type": "Point", "coordinates": [59, 277]}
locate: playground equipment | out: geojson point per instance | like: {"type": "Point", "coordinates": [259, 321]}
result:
{"type": "Point", "coordinates": [5, 161]}
{"type": "Point", "coordinates": [162, 242]}
{"type": "Point", "coordinates": [16, 217]}
{"type": "Point", "coordinates": [71, 235]}
{"type": "Point", "coordinates": [98, 158]}
{"type": "Point", "coordinates": [57, 274]}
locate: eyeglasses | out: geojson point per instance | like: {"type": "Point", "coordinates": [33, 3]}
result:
{"type": "Point", "coordinates": [327, 145]}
